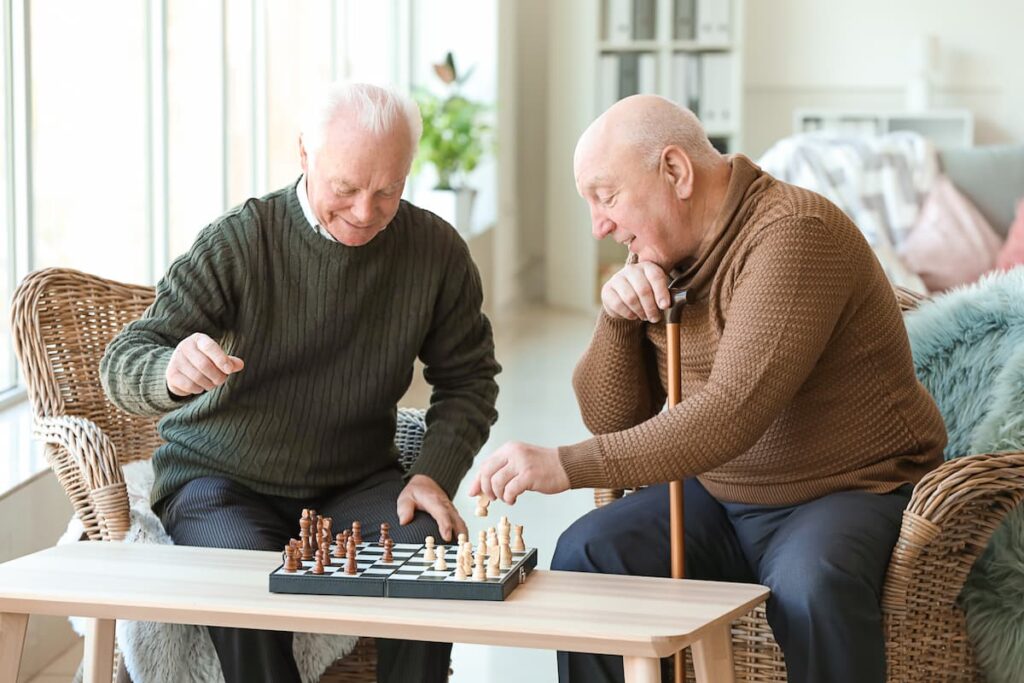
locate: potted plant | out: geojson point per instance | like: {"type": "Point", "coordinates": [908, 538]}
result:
{"type": "Point", "coordinates": [456, 135]}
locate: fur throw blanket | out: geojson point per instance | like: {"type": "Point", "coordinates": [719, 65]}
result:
{"type": "Point", "coordinates": [968, 348]}
{"type": "Point", "coordinates": [179, 653]}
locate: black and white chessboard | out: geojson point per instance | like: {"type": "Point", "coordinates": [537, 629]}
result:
{"type": "Point", "coordinates": [407, 576]}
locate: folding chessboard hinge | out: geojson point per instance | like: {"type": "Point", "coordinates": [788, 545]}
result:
{"type": "Point", "coordinates": [522, 574]}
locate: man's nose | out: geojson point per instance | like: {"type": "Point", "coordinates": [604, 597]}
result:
{"type": "Point", "coordinates": [362, 209]}
{"type": "Point", "coordinates": [601, 226]}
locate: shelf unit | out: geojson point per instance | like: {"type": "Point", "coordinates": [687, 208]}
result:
{"type": "Point", "coordinates": [602, 50]}
{"type": "Point", "coordinates": [944, 127]}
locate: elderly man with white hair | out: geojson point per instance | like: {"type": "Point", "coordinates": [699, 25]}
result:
{"type": "Point", "coordinates": [278, 347]}
{"type": "Point", "coordinates": [802, 425]}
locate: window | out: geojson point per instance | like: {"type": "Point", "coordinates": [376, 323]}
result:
{"type": "Point", "coordinates": [89, 137]}
{"type": "Point", "coordinates": [8, 378]}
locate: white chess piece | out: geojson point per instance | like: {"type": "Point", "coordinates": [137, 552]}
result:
{"type": "Point", "coordinates": [481, 505]}
{"type": "Point", "coordinates": [428, 554]}
{"type": "Point", "coordinates": [440, 564]}
{"type": "Point", "coordinates": [493, 568]}
{"type": "Point", "coordinates": [518, 545]}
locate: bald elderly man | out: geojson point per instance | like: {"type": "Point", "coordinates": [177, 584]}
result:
{"type": "Point", "coordinates": [802, 427]}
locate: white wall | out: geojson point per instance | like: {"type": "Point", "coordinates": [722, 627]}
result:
{"type": "Point", "coordinates": [832, 53]}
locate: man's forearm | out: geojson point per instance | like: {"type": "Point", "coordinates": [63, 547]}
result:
{"type": "Point", "coordinates": [613, 381]}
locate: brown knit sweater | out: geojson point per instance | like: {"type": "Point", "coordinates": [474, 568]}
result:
{"type": "Point", "coordinates": [797, 374]}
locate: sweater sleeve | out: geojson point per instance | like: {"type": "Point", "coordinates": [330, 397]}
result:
{"type": "Point", "coordinates": [616, 381]}
{"type": "Point", "coordinates": [458, 355]}
{"type": "Point", "coordinates": [791, 290]}
{"type": "Point", "coordinates": [196, 295]}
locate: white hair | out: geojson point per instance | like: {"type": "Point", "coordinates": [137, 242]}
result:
{"type": "Point", "coordinates": [655, 128]}
{"type": "Point", "coordinates": [377, 110]}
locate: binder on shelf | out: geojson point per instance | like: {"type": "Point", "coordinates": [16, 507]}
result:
{"type": "Point", "coordinates": [683, 20]}
{"type": "Point", "coordinates": [715, 109]}
{"type": "Point", "coordinates": [686, 80]}
{"type": "Point", "coordinates": [644, 12]}
{"type": "Point", "coordinates": [619, 21]}
{"type": "Point", "coordinates": [607, 81]}
{"type": "Point", "coordinates": [647, 70]}
{"type": "Point", "coordinates": [714, 22]}
{"type": "Point", "coordinates": [629, 74]}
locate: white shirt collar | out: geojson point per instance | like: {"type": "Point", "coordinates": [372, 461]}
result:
{"type": "Point", "coordinates": [307, 210]}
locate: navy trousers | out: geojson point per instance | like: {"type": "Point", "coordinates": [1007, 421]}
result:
{"type": "Point", "coordinates": [824, 560]}
{"type": "Point", "coordinates": [220, 513]}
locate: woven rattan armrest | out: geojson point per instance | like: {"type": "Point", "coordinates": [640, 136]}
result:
{"type": "Point", "coordinates": [85, 462]}
{"type": "Point", "coordinates": [952, 514]}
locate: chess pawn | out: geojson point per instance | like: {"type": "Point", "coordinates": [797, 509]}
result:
{"type": "Point", "coordinates": [357, 532]}
{"type": "Point", "coordinates": [481, 505]}
{"type": "Point", "coordinates": [463, 537]}
{"type": "Point", "coordinates": [440, 564]}
{"type": "Point", "coordinates": [388, 545]}
{"type": "Point", "coordinates": [429, 555]}
{"type": "Point", "coordinates": [467, 557]}
{"type": "Point", "coordinates": [339, 545]}
{"type": "Point", "coordinates": [478, 569]}
{"type": "Point", "coordinates": [518, 545]}
{"type": "Point", "coordinates": [493, 570]}
{"type": "Point", "coordinates": [481, 546]}
{"type": "Point", "coordinates": [318, 567]}
{"type": "Point", "coordinates": [385, 532]}
{"type": "Point", "coordinates": [460, 570]}
{"type": "Point", "coordinates": [505, 553]}
{"type": "Point", "coordinates": [325, 551]}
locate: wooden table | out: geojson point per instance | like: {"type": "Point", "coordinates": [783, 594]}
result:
{"type": "Point", "coordinates": [639, 618]}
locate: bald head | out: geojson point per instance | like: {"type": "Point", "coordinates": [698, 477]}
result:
{"type": "Point", "coordinates": [645, 125]}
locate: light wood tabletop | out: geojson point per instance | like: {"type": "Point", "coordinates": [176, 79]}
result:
{"type": "Point", "coordinates": [637, 617]}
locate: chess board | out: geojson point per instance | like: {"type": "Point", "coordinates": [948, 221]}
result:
{"type": "Point", "coordinates": [407, 576]}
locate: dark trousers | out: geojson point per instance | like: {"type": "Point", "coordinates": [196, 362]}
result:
{"type": "Point", "coordinates": [824, 560]}
{"type": "Point", "coordinates": [219, 513]}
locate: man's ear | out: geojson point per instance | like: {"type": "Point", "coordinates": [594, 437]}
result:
{"type": "Point", "coordinates": [303, 157]}
{"type": "Point", "coordinates": [677, 170]}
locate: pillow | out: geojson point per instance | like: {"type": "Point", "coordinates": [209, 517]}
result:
{"type": "Point", "coordinates": [990, 176]}
{"type": "Point", "coordinates": [951, 243]}
{"type": "Point", "coordinates": [1012, 253]}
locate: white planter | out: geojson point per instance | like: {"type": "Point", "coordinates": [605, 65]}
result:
{"type": "Point", "coordinates": [455, 206]}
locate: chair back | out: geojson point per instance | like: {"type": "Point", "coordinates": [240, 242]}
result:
{"type": "Point", "coordinates": [62, 321]}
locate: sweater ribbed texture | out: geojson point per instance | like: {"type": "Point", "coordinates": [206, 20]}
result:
{"type": "Point", "coordinates": [797, 375]}
{"type": "Point", "coordinates": [329, 335]}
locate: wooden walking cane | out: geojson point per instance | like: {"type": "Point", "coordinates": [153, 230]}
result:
{"type": "Point", "coordinates": [675, 488]}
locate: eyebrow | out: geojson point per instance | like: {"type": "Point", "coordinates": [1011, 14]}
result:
{"type": "Point", "coordinates": [350, 185]}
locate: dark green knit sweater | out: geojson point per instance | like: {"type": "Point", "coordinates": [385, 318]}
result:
{"type": "Point", "coordinates": [329, 334]}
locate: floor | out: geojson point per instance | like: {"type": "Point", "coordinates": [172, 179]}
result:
{"type": "Point", "coordinates": [538, 348]}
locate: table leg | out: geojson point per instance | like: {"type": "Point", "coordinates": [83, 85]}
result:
{"type": "Point", "coordinates": [99, 650]}
{"type": "Point", "coordinates": [712, 656]}
{"type": "Point", "coordinates": [642, 669]}
{"type": "Point", "coordinates": [12, 640]}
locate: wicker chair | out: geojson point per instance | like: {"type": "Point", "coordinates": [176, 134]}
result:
{"type": "Point", "coordinates": [62, 322]}
{"type": "Point", "coordinates": [952, 514]}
